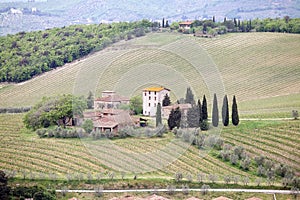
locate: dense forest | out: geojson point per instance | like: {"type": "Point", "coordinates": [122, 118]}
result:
{"type": "Point", "coordinates": [25, 55]}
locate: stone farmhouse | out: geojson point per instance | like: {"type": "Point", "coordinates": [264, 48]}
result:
{"type": "Point", "coordinates": [151, 97]}
{"type": "Point", "coordinates": [185, 25]}
{"type": "Point", "coordinates": [110, 100]}
{"type": "Point", "coordinates": [107, 115]}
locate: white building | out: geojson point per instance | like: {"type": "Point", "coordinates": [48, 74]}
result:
{"type": "Point", "coordinates": [151, 97]}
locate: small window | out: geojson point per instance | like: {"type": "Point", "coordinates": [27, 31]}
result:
{"type": "Point", "coordinates": [145, 93]}
{"type": "Point", "coordinates": [155, 93]}
{"type": "Point", "coordinates": [149, 104]}
{"type": "Point", "coordinates": [155, 98]}
{"type": "Point", "coordinates": [149, 92]}
{"type": "Point", "coordinates": [149, 98]}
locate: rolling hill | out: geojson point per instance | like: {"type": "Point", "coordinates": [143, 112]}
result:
{"type": "Point", "coordinates": [261, 69]}
{"type": "Point", "coordinates": [54, 13]}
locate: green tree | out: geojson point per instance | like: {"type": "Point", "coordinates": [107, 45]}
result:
{"type": "Point", "coordinates": [174, 118]}
{"type": "Point", "coordinates": [193, 117]}
{"type": "Point", "coordinates": [235, 114]}
{"type": "Point", "coordinates": [166, 100]}
{"type": "Point", "coordinates": [4, 189]}
{"type": "Point", "coordinates": [225, 111]}
{"type": "Point", "coordinates": [90, 100]}
{"type": "Point", "coordinates": [204, 108]}
{"type": "Point", "coordinates": [200, 111]}
{"type": "Point", "coordinates": [158, 115]}
{"type": "Point", "coordinates": [57, 110]}
{"type": "Point", "coordinates": [88, 126]}
{"type": "Point", "coordinates": [189, 96]}
{"type": "Point", "coordinates": [215, 112]}
{"type": "Point", "coordinates": [136, 104]}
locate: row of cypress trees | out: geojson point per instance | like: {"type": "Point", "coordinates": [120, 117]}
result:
{"type": "Point", "coordinates": [197, 115]}
{"type": "Point", "coordinates": [225, 112]}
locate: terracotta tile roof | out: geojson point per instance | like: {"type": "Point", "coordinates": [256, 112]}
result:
{"type": "Point", "coordinates": [121, 117]}
{"type": "Point", "coordinates": [185, 23]}
{"type": "Point", "coordinates": [155, 89]}
{"type": "Point", "coordinates": [112, 111]}
{"type": "Point", "coordinates": [91, 114]}
{"type": "Point", "coordinates": [222, 198]}
{"type": "Point", "coordinates": [155, 197]}
{"type": "Point", "coordinates": [152, 197]}
{"type": "Point", "coordinates": [105, 122]}
{"type": "Point", "coordinates": [113, 98]}
{"type": "Point", "coordinates": [254, 198]}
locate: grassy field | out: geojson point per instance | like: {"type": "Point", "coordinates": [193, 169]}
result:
{"type": "Point", "coordinates": [261, 69]}
{"type": "Point", "coordinates": [65, 159]}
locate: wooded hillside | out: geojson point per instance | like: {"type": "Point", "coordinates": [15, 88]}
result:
{"type": "Point", "coordinates": [25, 55]}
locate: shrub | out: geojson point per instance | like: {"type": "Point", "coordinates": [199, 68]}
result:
{"type": "Point", "coordinates": [88, 126]}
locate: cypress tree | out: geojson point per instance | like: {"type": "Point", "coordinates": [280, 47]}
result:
{"type": "Point", "coordinates": [177, 117]}
{"type": "Point", "coordinates": [163, 23]}
{"type": "Point", "coordinates": [193, 117]}
{"type": "Point", "coordinates": [166, 100]}
{"type": "Point", "coordinates": [189, 96]}
{"type": "Point", "coordinates": [174, 118]}
{"type": "Point", "coordinates": [214, 19]}
{"type": "Point", "coordinates": [200, 111]}
{"type": "Point", "coordinates": [235, 114]}
{"type": "Point", "coordinates": [204, 108]}
{"type": "Point", "coordinates": [171, 121]}
{"type": "Point", "coordinates": [203, 124]}
{"type": "Point", "coordinates": [158, 115]}
{"type": "Point", "coordinates": [90, 100]}
{"type": "Point", "coordinates": [215, 112]}
{"type": "Point", "coordinates": [225, 111]}
{"type": "Point", "coordinates": [235, 22]}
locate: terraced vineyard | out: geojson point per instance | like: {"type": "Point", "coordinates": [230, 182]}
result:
{"type": "Point", "coordinates": [276, 140]}
{"type": "Point", "coordinates": [24, 151]}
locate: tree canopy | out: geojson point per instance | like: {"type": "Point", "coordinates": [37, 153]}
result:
{"type": "Point", "coordinates": [136, 104]}
{"type": "Point", "coordinates": [25, 55]}
{"type": "Point", "coordinates": [215, 112]}
{"type": "Point", "coordinates": [166, 100]}
{"type": "Point", "coordinates": [57, 110]}
{"type": "Point", "coordinates": [189, 96]}
{"type": "Point", "coordinates": [235, 114]}
{"type": "Point", "coordinates": [225, 111]}
{"type": "Point", "coordinates": [174, 118]}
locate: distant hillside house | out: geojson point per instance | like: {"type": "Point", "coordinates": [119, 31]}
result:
{"type": "Point", "coordinates": [110, 100]}
{"type": "Point", "coordinates": [185, 25]}
{"type": "Point", "coordinates": [151, 97]}
{"type": "Point", "coordinates": [166, 110]}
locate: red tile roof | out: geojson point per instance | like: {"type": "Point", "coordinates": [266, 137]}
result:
{"type": "Point", "coordinates": [113, 98]}
{"type": "Point", "coordinates": [222, 198]}
{"type": "Point", "coordinates": [105, 122]}
{"type": "Point", "coordinates": [253, 198]}
{"type": "Point", "coordinates": [185, 23]}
